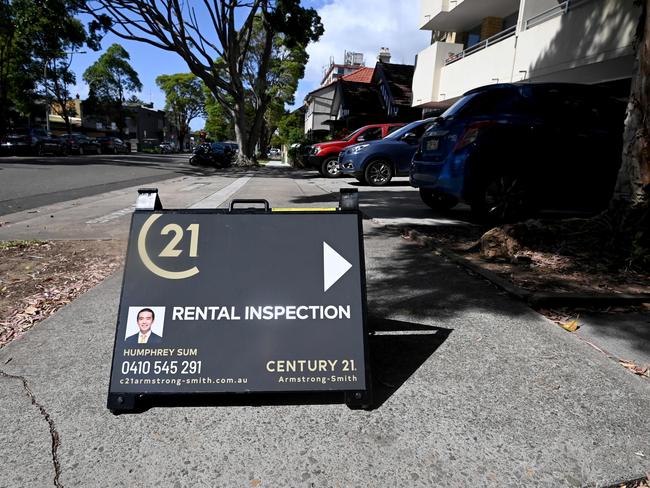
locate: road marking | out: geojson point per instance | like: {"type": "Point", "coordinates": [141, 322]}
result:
{"type": "Point", "coordinates": [211, 201]}
{"type": "Point", "coordinates": [112, 216]}
{"type": "Point", "coordinates": [218, 197]}
{"type": "Point", "coordinates": [193, 186]}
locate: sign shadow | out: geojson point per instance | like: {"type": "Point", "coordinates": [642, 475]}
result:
{"type": "Point", "coordinates": [397, 350]}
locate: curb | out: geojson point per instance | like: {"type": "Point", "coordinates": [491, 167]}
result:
{"type": "Point", "coordinates": [534, 299]}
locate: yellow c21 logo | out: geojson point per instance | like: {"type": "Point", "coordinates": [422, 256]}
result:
{"type": "Point", "coordinates": [170, 250]}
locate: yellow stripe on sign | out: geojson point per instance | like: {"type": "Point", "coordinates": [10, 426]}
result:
{"type": "Point", "coordinates": [304, 209]}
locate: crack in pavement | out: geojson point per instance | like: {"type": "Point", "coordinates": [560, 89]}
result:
{"type": "Point", "coordinates": [53, 432]}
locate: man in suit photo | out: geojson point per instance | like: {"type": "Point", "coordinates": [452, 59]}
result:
{"type": "Point", "coordinates": [145, 318]}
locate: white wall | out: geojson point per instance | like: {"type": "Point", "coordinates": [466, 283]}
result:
{"type": "Point", "coordinates": [480, 68]}
{"type": "Point", "coordinates": [426, 78]}
{"type": "Point", "coordinates": [594, 32]}
{"type": "Point", "coordinates": [318, 109]}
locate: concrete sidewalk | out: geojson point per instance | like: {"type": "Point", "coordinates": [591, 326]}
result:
{"type": "Point", "coordinates": [472, 389]}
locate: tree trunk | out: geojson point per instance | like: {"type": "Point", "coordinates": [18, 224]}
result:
{"type": "Point", "coordinates": [264, 139]}
{"type": "Point", "coordinates": [246, 155]}
{"type": "Point", "coordinates": [633, 183]}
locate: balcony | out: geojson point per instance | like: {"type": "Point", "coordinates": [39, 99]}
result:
{"type": "Point", "coordinates": [462, 15]}
{"type": "Point", "coordinates": [430, 9]}
{"type": "Point", "coordinates": [504, 34]}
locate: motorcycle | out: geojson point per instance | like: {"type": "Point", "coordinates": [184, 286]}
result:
{"type": "Point", "coordinates": [210, 155]}
{"type": "Point", "coordinates": [166, 148]}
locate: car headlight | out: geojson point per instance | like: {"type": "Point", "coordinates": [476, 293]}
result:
{"type": "Point", "coordinates": [359, 148]}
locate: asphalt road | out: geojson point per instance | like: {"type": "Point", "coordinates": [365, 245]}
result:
{"type": "Point", "coordinates": [30, 182]}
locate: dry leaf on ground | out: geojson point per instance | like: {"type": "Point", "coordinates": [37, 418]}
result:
{"type": "Point", "coordinates": [571, 325]}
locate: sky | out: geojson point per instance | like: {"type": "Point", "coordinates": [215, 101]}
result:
{"type": "Point", "coordinates": [350, 25]}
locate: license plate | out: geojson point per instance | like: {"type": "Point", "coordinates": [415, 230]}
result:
{"type": "Point", "coordinates": [432, 145]}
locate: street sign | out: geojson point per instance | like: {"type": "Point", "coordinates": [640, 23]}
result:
{"type": "Point", "coordinates": [241, 301]}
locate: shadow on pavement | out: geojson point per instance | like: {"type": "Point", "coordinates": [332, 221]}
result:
{"type": "Point", "coordinates": [395, 356]}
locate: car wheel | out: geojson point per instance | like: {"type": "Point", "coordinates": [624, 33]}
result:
{"type": "Point", "coordinates": [193, 161]}
{"type": "Point", "coordinates": [330, 168]}
{"type": "Point", "coordinates": [437, 201]}
{"type": "Point", "coordinates": [378, 173]}
{"type": "Point", "coordinates": [502, 198]}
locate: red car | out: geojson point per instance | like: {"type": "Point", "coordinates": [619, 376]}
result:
{"type": "Point", "coordinates": [324, 155]}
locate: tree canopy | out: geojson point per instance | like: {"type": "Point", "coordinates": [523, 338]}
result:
{"type": "Point", "coordinates": [112, 76]}
{"type": "Point", "coordinates": [216, 45]}
{"type": "Point", "coordinates": [184, 100]}
{"type": "Point", "coordinates": [36, 40]}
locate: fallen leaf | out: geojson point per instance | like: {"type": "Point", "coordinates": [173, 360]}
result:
{"type": "Point", "coordinates": [31, 310]}
{"type": "Point", "coordinates": [256, 483]}
{"type": "Point", "coordinates": [571, 325]}
{"type": "Point", "coordinates": [640, 454]}
{"type": "Point", "coordinates": [641, 371]}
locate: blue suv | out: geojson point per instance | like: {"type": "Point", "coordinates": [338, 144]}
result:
{"type": "Point", "coordinates": [376, 162]}
{"type": "Point", "coordinates": [511, 149]}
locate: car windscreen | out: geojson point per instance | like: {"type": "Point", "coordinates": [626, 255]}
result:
{"type": "Point", "coordinates": [403, 130]}
{"type": "Point", "coordinates": [497, 101]}
{"type": "Point", "coordinates": [350, 136]}
{"type": "Point", "coordinates": [457, 106]}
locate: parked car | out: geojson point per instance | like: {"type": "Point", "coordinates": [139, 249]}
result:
{"type": "Point", "coordinates": [324, 155]}
{"type": "Point", "coordinates": [34, 141]}
{"type": "Point", "coordinates": [77, 143]}
{"type": "Point", "coordinates": [376, 162]}
{"type": "Point", "coordinates": [510, 149]}
{"type": "Point", "coordinates": [114, 145]}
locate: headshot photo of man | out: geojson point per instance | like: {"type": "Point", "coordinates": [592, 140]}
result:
{"type": "Point", "coordinates": [145, 318]}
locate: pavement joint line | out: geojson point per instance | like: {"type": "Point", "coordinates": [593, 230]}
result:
{"type": "Point", "coordinates": [220, 196]}
{"type": "Point", "coordinates": [112, 216]}
{"type": "Point", "coordinates": [56, 442]}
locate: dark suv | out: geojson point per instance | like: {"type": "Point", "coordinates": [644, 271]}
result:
{"type": "Point", "coordinates": [31, 141]}
{"type": "Point", "coordinates": [510, 149]}
{"type": "Point", "coordinates": [76, 143]}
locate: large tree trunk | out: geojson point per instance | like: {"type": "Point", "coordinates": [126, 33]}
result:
{"type": "Point", "coordinates": [246, 155]}
{"type": "Point", "coordinates": [633, 183]}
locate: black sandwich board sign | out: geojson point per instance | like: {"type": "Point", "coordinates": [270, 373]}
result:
{"type": "Point", "coordinates": [241, 300]}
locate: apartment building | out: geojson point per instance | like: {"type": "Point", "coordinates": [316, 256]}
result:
{"type": "Point", "coordinates": [479, 42]}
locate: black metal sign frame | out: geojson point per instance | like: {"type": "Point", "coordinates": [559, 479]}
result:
{"type": "Point", "coordinates": [163, 362]}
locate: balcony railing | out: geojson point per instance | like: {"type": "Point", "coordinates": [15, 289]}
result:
{"type": "Point", "coordinates": [504, 34]}
{"type": "Point", "coordinates": [542, 17]}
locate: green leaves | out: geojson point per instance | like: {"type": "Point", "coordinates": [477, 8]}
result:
{"type": "Point", "coordinates": [111, 76]}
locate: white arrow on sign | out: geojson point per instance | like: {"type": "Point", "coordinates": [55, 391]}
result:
{"type": "Point", "coordinates": [334, 266]}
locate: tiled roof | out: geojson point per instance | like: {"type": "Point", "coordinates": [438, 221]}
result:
{"type": "Point", "coordinates": [362, 75]}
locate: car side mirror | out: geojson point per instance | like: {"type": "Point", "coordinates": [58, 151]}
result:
{"type": "Point", "coordinates": [410, 138]}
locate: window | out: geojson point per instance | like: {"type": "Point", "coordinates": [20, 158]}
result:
{"type": "Point", "coordinates": [371, 134]}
